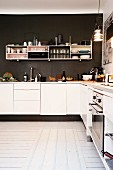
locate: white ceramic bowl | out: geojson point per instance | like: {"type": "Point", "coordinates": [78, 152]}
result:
{"type": "Point", "coordinates": [84, 56]}
{"type": "Point", "coordinates": [87, 77]}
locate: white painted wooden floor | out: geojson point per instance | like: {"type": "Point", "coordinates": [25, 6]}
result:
{"type": "Point", "coordinates": [46, 146]}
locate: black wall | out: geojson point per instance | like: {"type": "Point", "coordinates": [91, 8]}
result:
{"type": "Point", "coordinates": [19, 28]}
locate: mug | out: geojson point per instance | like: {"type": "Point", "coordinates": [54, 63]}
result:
{"type": "Point", "coordinates": [8, 50]}
{"type": "Point", "coordinates": [18, 50]}
{"type": "Point", "coordinates": [25, 43]}
{"type": "Point", "coordinates": [39, 43]}
{"type": "Point", "coordinates": [24, 50]}
{"type": "Point", "coordinates": [29, 43]}
{"type": "Point", "coordinates": [12, 50]}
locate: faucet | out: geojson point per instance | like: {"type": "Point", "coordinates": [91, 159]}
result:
{"type": "Point", "coordinates": [31, 74]}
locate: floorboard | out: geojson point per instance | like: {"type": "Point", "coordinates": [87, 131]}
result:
{"type": "Point", "coordinates": [47, 146]}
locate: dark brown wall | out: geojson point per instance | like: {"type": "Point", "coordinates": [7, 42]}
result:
{"type": "Point", "coordinates": [20, 28]}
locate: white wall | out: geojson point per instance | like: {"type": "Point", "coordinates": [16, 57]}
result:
{"type": "Point", "coordinates": [107, 10]}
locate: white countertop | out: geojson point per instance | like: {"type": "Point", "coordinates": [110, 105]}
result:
{"type": "Point", "coordinates": [107, 90]}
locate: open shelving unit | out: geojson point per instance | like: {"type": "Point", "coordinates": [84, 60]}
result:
{"type": "Point", "coordinates": [49, 52]}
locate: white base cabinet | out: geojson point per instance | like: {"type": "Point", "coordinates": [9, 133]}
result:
{"type": "Point", "coordinates": [27, 98]}
{"type": "Point", "coordinates": [6, 99]}
{"type": "Point", "coordinates": [73, 98]}
{"type": "Point", "coordinates": [27, 106]}
{"type": "Point", "coordinates": [84, 103]}
{"type": "Point", "coordinates": [108, 112]}
{"type": "Point", "coordinates": [53, 99]}
{"type": "Point", "coordinates": [60, 99]}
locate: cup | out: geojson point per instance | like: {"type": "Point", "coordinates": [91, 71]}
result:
{"type": "Point", "coordinates": [39, 43]}
{"type": "Point", "coordinates": [18, 50]}
{"type": "Point", "coordinates": [24, 50]}
{"type": "Point", "coordinates": [12, 50]}
{"type": "Point", "coordinates": [25, 43]}
{"type": "Point", "coordinates": [8, 50]}
{"type": "Point", "coordinates": [29, 43]}
{"type": "Point", "coordinates": [67, 44]}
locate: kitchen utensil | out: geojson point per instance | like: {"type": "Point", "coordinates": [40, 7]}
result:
{"type": "Point", "coordinates": [84, 56]}
{"type": "Point", "coordinates": [29, 43]}
{"type": "Point", "coordinates": [75, 57]}
{"type": "Point", "coordinates": [18, 50]}
{"type": "Point", "coordinates": [87, 77]}
{"type": "Point", "coordinates": [84, 51]}
{"type": "Point", "coordinates": [25, 43]}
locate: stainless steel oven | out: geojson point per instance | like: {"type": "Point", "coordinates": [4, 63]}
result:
{"type": "Point", "coordinates": [97, 120]}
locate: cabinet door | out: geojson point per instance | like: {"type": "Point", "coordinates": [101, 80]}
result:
{"type": "Point", "coordinates": [27, 106]}
{"type": "Point", "coordinates": [53, 99]}
{"type": "Point", "coordinates": [27, 95]}
{"type": "Point", "coordinates": [73, 99]}
{"type": "Point", "coordinates": [6, 99]}
{"type": "Point", "coordinates": [84, 103]}
{"type": "Point", "coordinates": [108, 107]}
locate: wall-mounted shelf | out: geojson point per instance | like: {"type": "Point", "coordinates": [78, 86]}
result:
{"type": "Point", "coordinates": [16, 52]}
{"type": "Point", "coordinates": [81, 52]}
{"type": "Point", "coordinates": [52, 52]}
{"type": "Point", "coordinates": [59, 52]}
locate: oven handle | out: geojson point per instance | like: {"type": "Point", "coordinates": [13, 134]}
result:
{"type": "Point", "coordinates": [97, 111]}
{"type": "Point", "coordinates": [91, 104]}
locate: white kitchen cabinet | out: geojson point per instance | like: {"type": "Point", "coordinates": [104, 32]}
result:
{"type": "Point", "coordinates": [108, 125]}
{"type": "Point", "coordinates": [6, 99]}
{"type": "Point", "coordinates": [27, 106]}
{"type": "Point", "coordinates": [84, 103]}
{"type": "Point", "coordinates": [108, 107]}
{"type": "Point", "coordinates": [27, 97]}
{"type": "Point", "coordinates": [53, 99]}
{"type": "Point", "coordinates": [73, 99]}
{"type": "Point", "coordinates": [108, 138]}
{"type": "Point", "coordinates": [108, 112]}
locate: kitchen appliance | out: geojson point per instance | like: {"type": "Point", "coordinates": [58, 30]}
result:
{"type": "Point", "coordinates": [37, 55]}
{"type": "Point", "coordinates": [97, 121]}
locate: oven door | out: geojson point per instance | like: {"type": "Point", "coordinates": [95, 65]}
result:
{"type": "Point", "coordinates": [98, 127]}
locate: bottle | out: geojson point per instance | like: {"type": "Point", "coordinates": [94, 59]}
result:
{"type": "Point", "coordinates": [34, 41]}
{"type": "Point", "coordinates": [56, 40]}
{"type": "Point", "coordinates": [63, 76]}
{"type": "Point", "coordinates": [36, 78]}
{"type": "Point", "coordinates": [69, 40]}
{"type": "Point", "coordinates": [25, 77]}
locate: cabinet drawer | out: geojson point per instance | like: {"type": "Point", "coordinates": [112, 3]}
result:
{"type": "Point", "coordinates": [26, 95]}
{"type": "Point", "coordinates": [27, 85]}
{"type": "Point", "coordinates": [27, 106]}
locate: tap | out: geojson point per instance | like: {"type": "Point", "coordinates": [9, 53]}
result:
{"type": "Point", "coordinates": [92, 70]}
{"type": "Point", "coordinates": [31, 74]}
